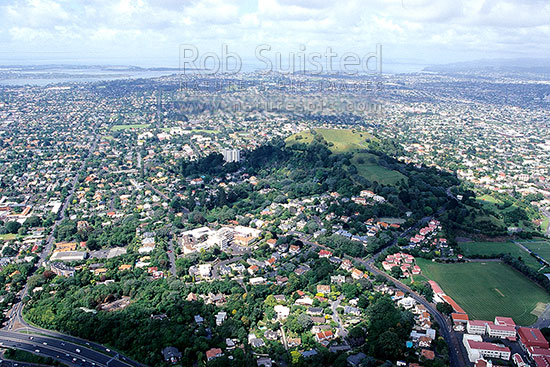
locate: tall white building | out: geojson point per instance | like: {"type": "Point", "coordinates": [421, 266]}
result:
{"type": "Point", "coordinates": [231, 155]}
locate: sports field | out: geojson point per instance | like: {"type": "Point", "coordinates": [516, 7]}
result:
{"type": "Point", "coordinates": [496, 248]}
{"type": "Point", "coordinates": [488, 289]}
{"type": "Point", "coordinates": [130, 126]}
{"type": "Point", "coordinates": [7, 237]}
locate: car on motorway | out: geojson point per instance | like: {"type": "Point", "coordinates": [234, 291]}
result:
{"type": "Point", "coordinates": [37, 350]}
{"type": "Point", "coordinates": [77, 350]}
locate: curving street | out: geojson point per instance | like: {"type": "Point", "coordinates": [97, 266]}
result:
{"type": "Point", "coordinates": [456, 356]}
{"type": "Point", "coordinates": [64, 351]}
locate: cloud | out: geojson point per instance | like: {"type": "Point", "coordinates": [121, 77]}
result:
{"type": "Point", "coordinates": [433, 31]}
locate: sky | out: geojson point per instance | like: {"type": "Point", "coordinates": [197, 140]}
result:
{"type": "Point", "coordinates": [150, 32]}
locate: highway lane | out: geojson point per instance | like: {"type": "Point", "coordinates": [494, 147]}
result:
{"type": "Point", "coordinates": [78, 351]}
{"type": "Point", "coordinates": [69, 359]}
{"type": "Point", "coordinates": [15, 315]}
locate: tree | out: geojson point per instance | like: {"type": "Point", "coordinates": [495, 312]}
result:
{"type": "Point", "coordinates": [444, 308]}
{"type": "Point", "coordinates": [295, 358]}
{"type": "Point", "coordinates": [12, 227]}
{"type": "Point", "coordinates": [396, 272]}
{"type": "Point", "coordinates": [304, 321]}
{"type": "Point", "coordinates": [388, 345]}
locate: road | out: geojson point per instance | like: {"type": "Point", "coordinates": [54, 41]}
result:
{"type": "Point", "coordinates": [164, 196]}
{"type": "Point", "coordinates": [54, 346]}
{"type": "Point", "coordinates": [16, 311]}
{"type": "Point", "coordinates": [285, 343]}
{"type": "Point", "coordinates": [64, 351]}
{"type": "Point", "coordinates": [342, 332]}
{"type": "Point", "coordinates": [456, 356]}
{"type": "Point", "coordinates": [544, 262]}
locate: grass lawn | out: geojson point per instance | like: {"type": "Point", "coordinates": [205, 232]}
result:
{"type": "Point", "coordinates": [496, 248]}
{"type": "Point", "coordinates": [368, 167]}
{"type": "Point", "coordinates": [205, 131]}
{"type": "Point", "coordinates": [540, 247]}
{"type": "Point", "coordinates": [347, 140]}
{"type": "Point", "coordinates": [486, 290]}
{"type": "Point", "coordinates": [489, 199]}
{"type": "Point", "coordinates": [130, 126]}
{"type": "Point", "coordinates": [8, 237]}
{"type": "Point", "coordinates": [339, 140]}
{"type": "Point", "coordinates": [544, 224]}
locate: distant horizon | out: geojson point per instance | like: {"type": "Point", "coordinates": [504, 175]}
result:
{"type": "Point", "coordinates": [391, 66]}
{"type": "Point", "coordinates": [147, 33]}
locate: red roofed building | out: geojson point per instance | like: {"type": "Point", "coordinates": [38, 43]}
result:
{"type": "Point", "coordinates": [503, 327]}
{"type": "Point", "coordinates": [453, 304]}
{"type": "Point", "coordinates": [507, 321]}
{"type": "Point", "coordinates": [325, 253]}
{"type": "Point", "coordinates": [436, 288]}
{"type": "Point", "coordinates": [428, 354]}
{"type": "Point", "coordinates": [540, 361]}
{"type": "Point", "coordinates": [532, 338]}
{"type": "Point", "coordinates": [478, 349]}
{"type": "Point", "coordinates": [213, 353]}
{"type": "Point", "coordinates": [324, 335]}
{"type": "Point", "coordinates": [518, 360]}
{"type": "Point", "coordinates": [459, 318]}
{"type": "Point", "coordinates": [356, 274]}
{"type": "Point", "coordinates": [501, 331]}
{"type": "Point", "coordinates": [539, 352]}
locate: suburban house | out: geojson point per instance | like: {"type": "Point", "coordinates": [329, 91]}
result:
{"type": "Point", "coordinates": [213, 353]}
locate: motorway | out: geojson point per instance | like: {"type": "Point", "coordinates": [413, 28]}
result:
{"type": "Point", "coordinates": [64, 351]}
{"type": "Point", "coordinates": [53, 344]}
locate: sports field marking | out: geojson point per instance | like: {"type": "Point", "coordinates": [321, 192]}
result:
{"type": "Point", "coordinates": [539, 309]}
{"type": "Point", "coordinates": [499, 292]}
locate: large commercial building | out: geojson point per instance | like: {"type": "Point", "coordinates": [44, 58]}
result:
{"type": "Point", "coordinates": [502, 327]}
{"type": "Point", "coordinates": [478, 349]}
